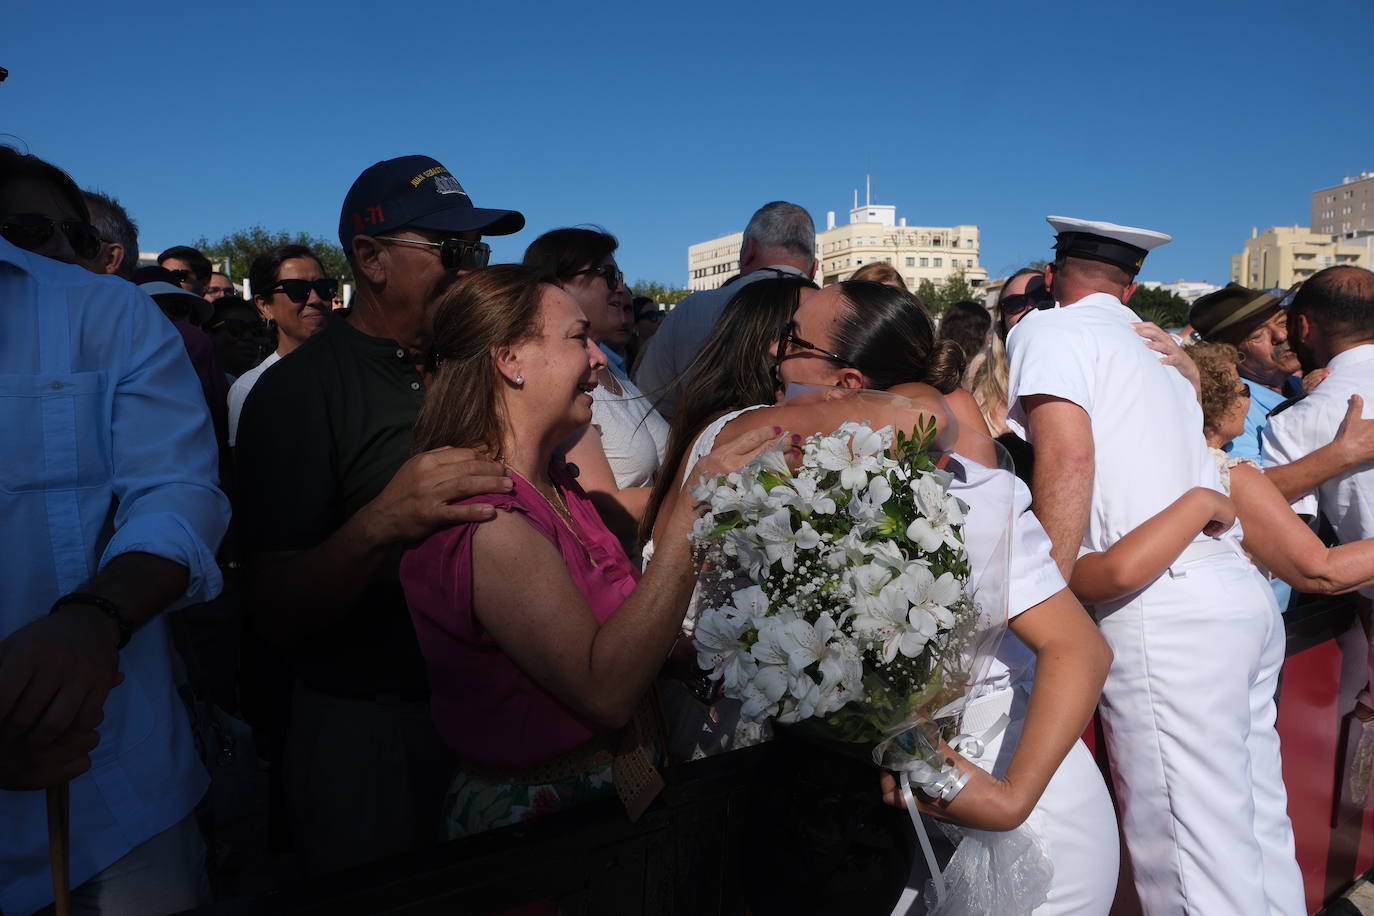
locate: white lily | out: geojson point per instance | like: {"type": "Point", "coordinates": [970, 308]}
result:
{"type": "Point", "coordinates": [719, 649]}
{"type": "Point", "coordinates": [802, 495]}
{"type": "Point", "coordinates": [761, 693]}
{"type": "Point", "coordinates": [780, 542]}
{"type": "Point", "coordinates": [855, 456]}
{"type": "Point", "coordinates": [806, 643]}
{"type": "Point", "coordinates": [940, 512]}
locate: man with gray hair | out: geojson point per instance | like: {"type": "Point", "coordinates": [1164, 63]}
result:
{"type": "Point", "coordinates": [780, 241]}
{"type": "Point", "coordinates": [118, 236]}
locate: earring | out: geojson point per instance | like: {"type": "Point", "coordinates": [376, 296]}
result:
{"type": "Point", "coordinates": [519, 380]}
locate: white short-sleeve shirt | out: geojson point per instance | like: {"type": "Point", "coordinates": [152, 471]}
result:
{"type": "Point", "coordinates": [1146, 423]}
{"type": "Point", "coordinates": [238, 392]}
{"type": "Point", "coordinates": [633, 435]}
{"type": "Point", "coordinates": [1346, 500]}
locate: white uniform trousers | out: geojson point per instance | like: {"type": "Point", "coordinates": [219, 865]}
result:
{"type": "Point", "coordinates": [1189, 713]}
{"type": "Point", "coordinates": [1074, 817]}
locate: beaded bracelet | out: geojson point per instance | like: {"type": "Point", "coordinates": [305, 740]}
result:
{"type": "Point", "coordinates": [105, 606]}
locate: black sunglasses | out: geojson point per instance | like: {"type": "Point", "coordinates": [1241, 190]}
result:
{"type": "Point", "coordinates": [31, 231]}
{"type": "Point", "coordinates": [298, 291]}
{"type": "Point", "coordinates": [789, 336]}
{"type": "Point", "coordinates": [609, 272]}
{"type": "Point", "coordinates": [454, 253]}
{"type": "Point", "coordinates": [1015, 304]}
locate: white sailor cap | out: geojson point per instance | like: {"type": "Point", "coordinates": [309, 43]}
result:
{"type": "Point", "coordinates": [1123, 246]}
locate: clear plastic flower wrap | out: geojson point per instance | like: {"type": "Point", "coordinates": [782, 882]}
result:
{"type": "Point", "coordinates": [839, 595]}
{"type": "Point", "coordinates": [859, 594]}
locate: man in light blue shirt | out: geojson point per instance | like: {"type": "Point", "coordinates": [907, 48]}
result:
{"type": "Point", "coordinates": [109, 514]}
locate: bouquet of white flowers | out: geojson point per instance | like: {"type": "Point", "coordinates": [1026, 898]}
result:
{"type": "Point", "coordinates": [837, 593]}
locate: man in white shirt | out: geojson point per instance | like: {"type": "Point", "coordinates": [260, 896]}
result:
{"type": "Point", "coordinates": [1331, 324]}
{"type": "Point", "coordinates": [1190, 730]}
{"type": "Point", "coordinates": [780, 240]}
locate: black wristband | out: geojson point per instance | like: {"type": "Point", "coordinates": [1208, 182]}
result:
{"type": "Point", "coordinates": [105, 606]}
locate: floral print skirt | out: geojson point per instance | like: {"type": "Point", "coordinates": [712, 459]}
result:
{"type": "Point", "coordinates": [473, 804]}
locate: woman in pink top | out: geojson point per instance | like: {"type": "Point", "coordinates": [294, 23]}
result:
{"type": "Point", "coordinates": [540, 637]}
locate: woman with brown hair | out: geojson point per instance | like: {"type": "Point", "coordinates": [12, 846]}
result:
{"type": "Point", "coordinates": [619, 452]}
{"type": "Point", "coordinates": [540, 637]}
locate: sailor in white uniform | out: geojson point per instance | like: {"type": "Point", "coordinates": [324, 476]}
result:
{"type": "Point", "coordinates": [1188, 705]}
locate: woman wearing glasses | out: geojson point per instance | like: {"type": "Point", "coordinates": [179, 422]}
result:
{"type": "Point", "coordinates": [1051, 664]}
{"type": "Point", "coordinates": [619, 454]}
{"type": "Point", "coordinates": [293, 296]}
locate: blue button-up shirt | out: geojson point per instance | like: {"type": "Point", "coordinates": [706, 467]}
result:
{"type": "Point", "coordinates": [1262, 400]}
{"type": "Point", "coordinates": [107, 448]}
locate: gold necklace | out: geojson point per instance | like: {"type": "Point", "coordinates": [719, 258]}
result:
{"type": "Point", "coordinates": [561, 510]}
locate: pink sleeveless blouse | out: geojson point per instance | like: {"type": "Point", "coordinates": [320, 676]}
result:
{"type": "Point", "coordinates": [485, 707]}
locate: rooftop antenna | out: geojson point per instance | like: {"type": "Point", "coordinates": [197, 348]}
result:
{"type": "Point", "coordinates": [868, 190]}
{"type": "Point", "coordinates": [856, 198]}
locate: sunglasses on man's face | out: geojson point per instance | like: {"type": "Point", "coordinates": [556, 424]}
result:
{"type": "Point", "coordinates": [298, 291]}
{"type": "Point", "coordinates": [454, 253]}
{"type": "Point", "coordinates": [609, 272]}
{"type": "Point", "coordinates": [32, 231]}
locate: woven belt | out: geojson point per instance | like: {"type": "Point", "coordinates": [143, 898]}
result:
{"type": "Point", "coordinates": [637, 782]}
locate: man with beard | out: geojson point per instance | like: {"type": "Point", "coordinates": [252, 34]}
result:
{"type": "Point", "coordinates": [1331, 325]}
{"type": "Point", "coordinates": [331, 495]}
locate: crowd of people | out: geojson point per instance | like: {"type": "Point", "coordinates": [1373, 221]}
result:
{"type": "Point", "coordinates": [433, 547]}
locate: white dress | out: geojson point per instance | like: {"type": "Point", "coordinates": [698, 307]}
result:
{"type": "Point", "coordinates": [1074, 817]}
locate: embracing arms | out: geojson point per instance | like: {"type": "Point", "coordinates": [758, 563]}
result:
{"type": "Point", "coordinates": [1147, 550]}
{"type": "Point", "coordinates": [1071, 665]}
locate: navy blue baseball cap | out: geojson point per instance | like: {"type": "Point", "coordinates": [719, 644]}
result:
{"type": "Point", "coordinates": [416, 191]}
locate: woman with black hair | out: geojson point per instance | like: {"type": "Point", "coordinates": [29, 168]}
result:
{"type": "Point", "coordinates": [1050, 667]}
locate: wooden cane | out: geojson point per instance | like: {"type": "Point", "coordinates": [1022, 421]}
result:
{"type": "Point", "coordinates": [59, 847]}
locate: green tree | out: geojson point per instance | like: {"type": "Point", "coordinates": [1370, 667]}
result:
{"type": "Point", "coordinates": [238, 249]}
{"type": "Point", "coordinates": [660, 292]}
{"type": "Point", "coordinates": [939, 297]}
{"type": "Point", "coordinates": [1166, 309]}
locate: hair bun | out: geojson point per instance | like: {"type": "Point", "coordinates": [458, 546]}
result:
{"type": "Point", "coordinates": [947, 363]}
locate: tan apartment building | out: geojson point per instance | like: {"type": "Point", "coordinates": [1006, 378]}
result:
{"type": "Point", "coordinates": [710, 264]}
{"type": "Point", "coordinates": [1346, 210]}
{"type": "Point", "coordinates": [1280, 256]}
{"type": "Point", "coordinates": [873, 233]}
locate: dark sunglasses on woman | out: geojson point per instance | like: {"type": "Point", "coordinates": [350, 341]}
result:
{"type": "Point", "coordinates": [298, 291]}
{"type": "Point", "coordinates": [32, 231]}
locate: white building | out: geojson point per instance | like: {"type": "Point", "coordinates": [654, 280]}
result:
{"type": "Point", "coordinates": [873, 233]}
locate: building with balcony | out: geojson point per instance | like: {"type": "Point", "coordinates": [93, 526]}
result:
{"type": "Point", "coordinates": [1281, 256]}
{"type": "Point", "coordinates": [1346, 210]}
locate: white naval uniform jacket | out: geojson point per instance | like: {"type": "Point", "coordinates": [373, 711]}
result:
{"type": "Point", "coordinates": [1346, 500]}
{"type": "Point", "coordinates": [1146, 422]}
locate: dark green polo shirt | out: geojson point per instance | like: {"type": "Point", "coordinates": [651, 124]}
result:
{"type": "Point", "coordinates": [322, 432]}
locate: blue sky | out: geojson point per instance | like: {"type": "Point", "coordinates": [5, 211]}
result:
{"type": "Point", "coordinates": [670, 124]}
